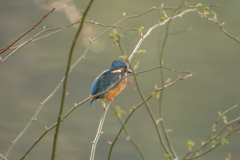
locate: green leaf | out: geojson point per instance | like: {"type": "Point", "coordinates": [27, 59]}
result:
{"type": "Point", "coordinates": [113, 34]}
{"type": "Point", "coordinates": [129, 32]}
{"type": "Point", "coordinates": [206, 9]}
{"type": "Point", "coordinates": [213, 143]}
{"type": "Point", "coordinates": [224, 141]}
{"type": "Point", "coordinates": [199, 5]}
{"type": "Point", "coordinates": [130, 110]}
{"type": "Point", "coordinates": [224, 118]}
{"type": "Point", "coordinates": [168, 80]}
{"type": "Point", "coordinates": [156, 94]}
{"type": "Point", "coordinates": [169, 157]}
{"type": "Point", "coordinates": [229, 156]}
{"type": "Point", "coordinates": [214, 15]}
{"type": "Point", "coordinates": [153, 8]}
{"type": "Point", "coordinates": [122, 57]}
{"type": "Point", "coordinates": [136, 65]}
{"type": "Point", "coordinates": [161, 20]}
{"type": "Point", "coordinates": [124, 14]}
{"type": "Point", "coordinates": [164, 14]}
{"type": "Point", "coordinates": [191, 144]}
{"type": "Point", "coordinates": [140, 51]}
{"type": "Point", "coordinates": [103, 104]}
{"type": "Point", "coordinates": [140, 31]}
{"type": "Point", "coordinates": [119, 111]}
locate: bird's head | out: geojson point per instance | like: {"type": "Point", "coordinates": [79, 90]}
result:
{"type": "Point", "coordinates": [119, 66]}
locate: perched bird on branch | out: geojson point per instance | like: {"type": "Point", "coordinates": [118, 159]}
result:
{"type": "Point", "coordinates": [106, 79]}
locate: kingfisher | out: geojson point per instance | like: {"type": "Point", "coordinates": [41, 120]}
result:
{"type": "Point", "coordinates": [107, 78]}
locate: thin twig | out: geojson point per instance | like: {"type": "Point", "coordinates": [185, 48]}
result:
{"type": "Point", "coordinates": [151, 115]}
{"type": "Point", "coordinates": [129, 138]}
{"type": "Point", "coordinates": [71, 110]}
{"type": "Point", "coordinates": [218, 144]}
{"type": "Point", "coordinates": [119, 118]}
{"type": "Point", "coordinates": [99, 132]}
{"type": "Point", "coordinates": [140, 104]}
{"type": "Point", "coordinates": [162, 79]}
{"type": "Point", "coordinates": [63, 28]}
{"type": "Point", "coordinates": [83, 56]}
{"type": "Point", "coordinates": [155, 26]}
{"type": "Point", "coordinates": [220, 26]}
{"type": "Point", "coordinates": [147, 106]}
{"type": "Point", "coordinates": [215, 137]}
{"type": "Point", "coordinates": [32, 39]}
{"type": "Point", "coordinates": [214, 126]}
{"type": "Point", "coordinates": [34, 26]}
{"type": "Point", "coordinates": [219, 116]}
{"type": "Point", "coordinates": [66, 79]}
{"type": "Point", "coordinates": [3, 157]}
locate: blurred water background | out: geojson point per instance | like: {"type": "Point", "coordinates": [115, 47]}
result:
{"type": "Point", "coordinates": [189, 107]}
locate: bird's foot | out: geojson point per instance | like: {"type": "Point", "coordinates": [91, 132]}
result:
{"type": "Point", "coordinates": [111, 100]}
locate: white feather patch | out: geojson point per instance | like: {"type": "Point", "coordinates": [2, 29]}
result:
{"type": "Point", "coordinates": [116, 71]}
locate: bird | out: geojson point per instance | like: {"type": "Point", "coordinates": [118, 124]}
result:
{"type": "Point", "coordinates": [107, 78]}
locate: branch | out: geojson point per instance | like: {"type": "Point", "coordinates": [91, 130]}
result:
{"type": "Point", "coordinates": [77, 105]}
{"type": "Point", "coordinates": [151, 115]}
{"type": "Point", "coordinates": [129, 138]}
{"type": "Point", "coordinates": [60, 83]}
{"type": "Point", "coordinates": [220, 25]}
{"type": "Point", "coordinates": [141, 103]}
{"type": "Point", "coordinates": [63, 28]}
{"type": "Point", "coordinates": [214, 137]}
{"type": "Point", "coordinates": [3, 157]}
{"type": "Point", "coordinates": [99, 132]}
{"type": "Point", "coordinates": [66, 79]}
{"type": "Point", "coordinates": [219, 116]}
{"type": "Point", "coordinates": [220, 143]}
{"type": "Point", "coordinates": [155, 26]}
{"type": "Point", "coordinates": [162, 79]}
{"type": "Point", "coordinates": [72, 67]}
{"type": "Point", "coordinates": [34, 26]}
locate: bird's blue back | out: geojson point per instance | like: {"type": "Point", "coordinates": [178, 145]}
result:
{"type": "Point", "coordinates": [103, 81]}
{"type": "Point", "coordinates": [106, 79]}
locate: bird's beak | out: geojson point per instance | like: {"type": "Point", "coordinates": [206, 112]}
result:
{"type": "Point", "coordinates": [130, 71]}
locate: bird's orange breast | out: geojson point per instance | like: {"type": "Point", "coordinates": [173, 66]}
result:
{"type": "Point", "coordinates": [116, 90]}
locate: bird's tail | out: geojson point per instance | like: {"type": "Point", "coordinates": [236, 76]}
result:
{"type": "Point", "coordinates": [91, 102]}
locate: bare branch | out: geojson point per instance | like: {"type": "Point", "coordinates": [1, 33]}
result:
{"type": "Point", "coordinates": [34, 26]}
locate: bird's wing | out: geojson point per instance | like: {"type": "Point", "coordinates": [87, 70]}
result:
{"type": "Point", "coordinates": [103, 81]}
